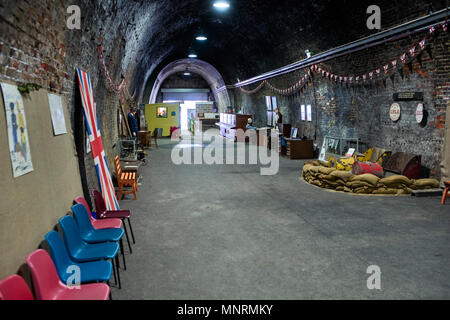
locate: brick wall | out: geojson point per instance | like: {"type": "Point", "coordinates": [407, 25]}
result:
{"type": "Point", "coordinates": [363, 110]}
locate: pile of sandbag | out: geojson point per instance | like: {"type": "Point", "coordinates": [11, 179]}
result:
{"type": "Point", "coordinates": [317, 173]}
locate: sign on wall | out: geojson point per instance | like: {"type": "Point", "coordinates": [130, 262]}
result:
{"type": "Point", "coordinates": [19, 147]}
{"type": "Point", "coordinates": [57, 113]}
{"type": "Point", "coordinates": [419, 113]}
{"type": "Point", "coordinates": [408, 96]}
{"type": "Point", "coordinates": [394, 112]}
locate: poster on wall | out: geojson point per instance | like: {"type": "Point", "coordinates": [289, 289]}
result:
{"type": "Point", "coordinates": [309, 113]}
{"type": "Point", "coordinates": [57, 113]}
{"type": "Point", "coordinates": [19, 147]}
{"type": "Point", "coordinates": [303, 112]}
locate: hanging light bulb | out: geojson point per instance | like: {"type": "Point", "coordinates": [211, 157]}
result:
{"type": "Point", "coordinates": [221, 4]}
{"type": "Point", "coordinates": [201, 38]}
{"type": "Point", "coordinates": [192, 55]}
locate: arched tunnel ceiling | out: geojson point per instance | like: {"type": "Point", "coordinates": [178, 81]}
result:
{"type": "Point", "coordinates": [252, 37]}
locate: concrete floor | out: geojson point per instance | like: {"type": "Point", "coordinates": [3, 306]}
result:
{"type": "Point", "coordinates": [226, 232]}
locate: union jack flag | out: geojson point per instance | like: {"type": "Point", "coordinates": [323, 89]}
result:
{"type": "Point", "coordinates": [95, 139]}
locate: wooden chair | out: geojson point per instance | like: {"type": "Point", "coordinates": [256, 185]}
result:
{"type": "Point", "coordinates": [446, 191]}
{"type": "Point", "coordinates": [155, 137]}
{"type": "Point", "coordinates": [125, 179]}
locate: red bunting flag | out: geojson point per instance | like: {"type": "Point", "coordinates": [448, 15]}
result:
{"type": "Point", "coordinates": [364, 77]}
{"type": "Point", "coordinates": [432, 29]}
{"type": "Point", "coordinates": [403, 58]}
{"type": "Point", "coordinates": [422, 44]}
{"type": "Point", "coordinates": [394, 64]}
{"type": "Point", "coordinates": [371, 75]}
{"type": "Point", "coordinates": [378, 72]}
{"type": "Point", "coordinates": [386, 67]}
{"type": "Point", "coordinates": [412, 51]}
{"type": "Point", "coordinates": [444, 27]}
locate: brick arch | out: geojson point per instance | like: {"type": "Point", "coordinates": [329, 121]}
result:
{"type": "Point", "coordinates": [202, 68]}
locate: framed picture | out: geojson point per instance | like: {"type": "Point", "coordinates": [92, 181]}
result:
{"type": "Point", "coordinates": [309, 113]}
{"type": "Point", "coordinates": [161, 112]}
{"type": "Point", "coordinates": [303, 112]}
{"type": "Point", "coordinates": [294, 133]}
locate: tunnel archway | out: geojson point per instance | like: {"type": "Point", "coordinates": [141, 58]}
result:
{"type": "Point", "coordinates": [202, 68]}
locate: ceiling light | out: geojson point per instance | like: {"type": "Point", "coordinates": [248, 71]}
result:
{"type": "Point", "coordinates": [187, 74]}
{"type": "Point", "coordinates": [192, 55]}
{"type": "Point", "coordinates": [221, 4]}
{"type": "Point", "coordinates": [201, 38]}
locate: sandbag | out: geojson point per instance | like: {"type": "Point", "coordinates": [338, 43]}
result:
{"type": "Point", "coordinates": [359, 168]}
{"type": "Point", "coordinates": [359, 184]}
{"type": "Point", "coordinates": [423, 183]}
{"type": "Point", "coordinates": [326, 171]}
{"type": "Point", "coordinates": [396, 179]}
{"type": "Point", "coordinates": [323, 163]}
{"type": "Point", "coordinates": [385, 191]}
{"type": "Point", "coordinates": [368, 177]}
{"type": "Point", "coordinates": [330, 178]}
{"type": "Point", "coordinates": [314, 169]}
{"type": "Point", "coordinates": [344, 175]}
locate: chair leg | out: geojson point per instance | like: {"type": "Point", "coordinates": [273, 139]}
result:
{"type": "Point", "coordinates": [120, 191]}
{"type": "Point", "coordinates": [118, 274]}
{"type": "Point", "coordinates": [444, 196]}
{"type": "Point", "coordinates": [131, 229]}
{"type": "Point", "coordinates": [123, 255]}
{"type": "Point", "coordinates": [126, 234]}
{"type": "Point", "coordinates": [114, 271]}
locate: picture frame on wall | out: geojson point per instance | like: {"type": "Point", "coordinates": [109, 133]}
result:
{"type": "Point", "coordinates": [294, 133]}
{"type": "Point", "coordinates": [161, 112]}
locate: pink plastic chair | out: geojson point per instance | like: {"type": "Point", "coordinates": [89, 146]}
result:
{"type": "Point", "coordinates": [47, 285]}
{"type": "Point", "coordinates": [15, 288]}
{"type": "Point", "coordinates": [97, 223]}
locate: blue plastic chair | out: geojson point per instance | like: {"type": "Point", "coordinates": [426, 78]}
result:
{"type": "Point", "coordinates": [81, 251]}
{"type": "Point", "coordinates": [91, 235]}
{"type": "Point", "coordinates": [96, 271]}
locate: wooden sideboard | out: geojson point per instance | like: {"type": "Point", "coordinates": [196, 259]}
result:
{"type": "Point", "coordinates": [299, 149]}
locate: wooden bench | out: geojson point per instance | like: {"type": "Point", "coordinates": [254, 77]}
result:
{"type": "Point", "coordinates": [125, 179]}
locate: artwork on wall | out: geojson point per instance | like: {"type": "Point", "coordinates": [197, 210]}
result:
{"type": "Point", "coordinates": [57, 114]}
{"type": "Point", "coordinates": [309, 113]}
{"type": "Point", "coordinates": [161, 112]}
{"type": "Point", "coordinates": [19, 147]}
{"type": "Point", "coordinates": [303, 112]}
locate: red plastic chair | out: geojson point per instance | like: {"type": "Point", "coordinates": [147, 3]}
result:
{"type": "Point", "coordinates": [102, 213]}
{"type": "Point", "coordinates": [47, 285]}
{"type": "Point", "coordinates": [15, 288]}
{"type": "Point", "coordinates": [99, 224]}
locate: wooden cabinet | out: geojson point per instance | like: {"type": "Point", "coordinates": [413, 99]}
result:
{"type": "Point", "coordinates": [299, 149]}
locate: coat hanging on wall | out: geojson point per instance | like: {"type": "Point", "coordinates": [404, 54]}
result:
{"type": "Point", "coordinates": [98, 152]}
